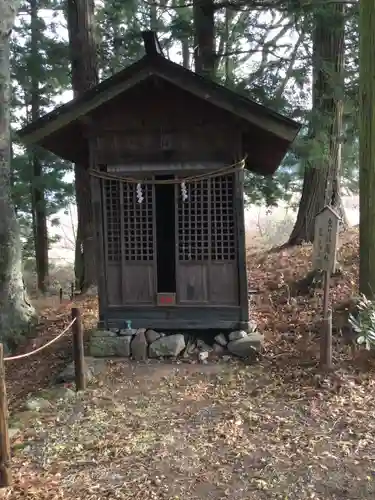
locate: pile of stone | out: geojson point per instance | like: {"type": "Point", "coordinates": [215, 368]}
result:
{"type": "Point", "coordinates": [240, 343]}
{"type": "Point", "coordinates": [140, 344]}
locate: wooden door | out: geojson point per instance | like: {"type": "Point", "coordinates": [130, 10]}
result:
{"type": "Point", "coordinates": [129, 230]}
{"type": "Point", "coordinates": [223, 271]}
{"type": "Point", "coordinates": [207, 250]}
{"type": "Point", "coordinates": [193, 243]}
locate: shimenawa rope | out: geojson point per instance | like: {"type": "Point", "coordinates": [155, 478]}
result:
{"type": "Point", "coordinates": [240, 165]}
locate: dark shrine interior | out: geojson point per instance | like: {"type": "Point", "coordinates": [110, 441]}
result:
{"type": "Point", "coordinates": [165, 235]}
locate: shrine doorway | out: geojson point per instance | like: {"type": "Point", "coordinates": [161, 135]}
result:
{"type": "Point", "coordinates": [165, 235]}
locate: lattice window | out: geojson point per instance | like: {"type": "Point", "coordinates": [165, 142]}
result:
{"type": "Point", "coordinates": [138, 223]}
{"type": "Point", "coordinates": [112, 208]}
{"type": "Point", "coordinates": [223, 239]}
{"type": "Point", "coordinates": [193, 222]}
{"type": "Point", "coordinates": [206, 228]}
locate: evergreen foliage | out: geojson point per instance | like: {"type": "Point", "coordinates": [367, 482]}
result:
{"type": "Point", "coordinates": [49, 66]}
{"type": "Point", "coordinates": [262, 52]}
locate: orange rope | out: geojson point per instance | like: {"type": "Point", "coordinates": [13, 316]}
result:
{"type": "Point", "coordinates": [27, 354]}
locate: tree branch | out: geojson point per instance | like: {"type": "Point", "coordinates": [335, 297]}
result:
{"type": "Point", "coordinates": [289, 71]}
{"type": "Point", "coordinates": [280, 5]}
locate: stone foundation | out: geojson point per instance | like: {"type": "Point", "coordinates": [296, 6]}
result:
{"type": "Point", "coordinates": [142, 344]}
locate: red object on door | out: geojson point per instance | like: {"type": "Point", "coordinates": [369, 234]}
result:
{"type": "Point", "coordinates": [166, 299]}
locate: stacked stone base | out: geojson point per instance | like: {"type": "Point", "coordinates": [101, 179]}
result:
{"type": "Point", "coordinates": [142, 344]}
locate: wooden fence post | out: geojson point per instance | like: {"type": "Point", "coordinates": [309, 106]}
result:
{"type": "Point", "coordinates": [326, 342]}
{"type": "Point", "coordinates": [78, 351]}
{"type": "Point", "coordinates": [5, 472]}
{"type": "Point", "coordinates": [61, 295]}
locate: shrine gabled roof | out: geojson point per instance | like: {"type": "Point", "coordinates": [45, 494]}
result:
{"type": "Point", "coordinates": [72, 114]}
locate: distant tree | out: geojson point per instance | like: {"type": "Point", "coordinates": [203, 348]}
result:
{"type": "Point", "coordinates": [39, 209]}
{"type": "Point", "coordinates": [204, 38]}
{"type": "Point", "coordinates": [38, 62]}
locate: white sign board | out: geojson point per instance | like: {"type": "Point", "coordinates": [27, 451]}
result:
{"type": "Point", "coordinates": [326, 239]}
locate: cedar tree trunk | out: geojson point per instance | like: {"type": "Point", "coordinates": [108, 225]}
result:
{"type": "Point", "coordinates": [84, 76]}
{"type": "Point", "coordinates": [204, 37]}
{"type": "Point", "coordinates": [321, 182]}
{"type": "Point", "coordinates": [367, 148]}
{"type": "Point", "coordinates": [38, 196]}
{"type": "Point", "coordinates": [16, 314]}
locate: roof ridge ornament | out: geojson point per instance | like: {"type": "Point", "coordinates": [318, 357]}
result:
{"type": "Point", "coordinates": [151, 43]}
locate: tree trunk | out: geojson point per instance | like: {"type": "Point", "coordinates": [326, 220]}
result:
{"type": "Point", "coordinates": [16, 314]}
{"type": "Point", "coordinates": [153, 16]}
{"type": "Point", "coordinates": [204, 37]}
{"type": "Point", "coordinates": [84, 76]}
{"type": "Point", "coordinates": [367, 149]}
{"type": "Point", "coordinates": [228, 65]}
{"type": "Point", "coordinates": [321, 182]}
{"type": "Point", "coordinates": [38, 197]}
{"type": "Point", "coordinates": [185, 52]}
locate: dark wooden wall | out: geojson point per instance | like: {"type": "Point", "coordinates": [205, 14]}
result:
{"type": "Point", "coordinates": [156, 121]}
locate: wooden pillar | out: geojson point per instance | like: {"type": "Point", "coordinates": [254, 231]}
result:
{"type": "Point", "coordinates": [97, 200]}
{"type": "Point", "coordinates": [239, 213]}
{"type": "Point", "coordinates": [78, 350]}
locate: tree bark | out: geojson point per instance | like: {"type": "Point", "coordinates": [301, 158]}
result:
{"type": "Point", "coordinates": [204, 37]}
{"type": "Point", "coordinates": [185, 53]}
{"type": "Point", "coordinates": [16, 314]}
{"type": "Point", "coordinates": [37, 185]}
{"type": "Point", "coordinates": [321, 183]}
{"type": "Point", "coordinates": [84, 76]}
{"type": "Point", "coordinates": [367, 149]}
{"type": "Point", "coordinates": [228, 65]}
{"type": "Point", "coordinates": [154, 16]}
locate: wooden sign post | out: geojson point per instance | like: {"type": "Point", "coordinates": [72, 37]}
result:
{"type": "Point", "coordinates": [324, 259]}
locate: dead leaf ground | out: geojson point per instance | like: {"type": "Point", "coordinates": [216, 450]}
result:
{"type": "Point", "coordinates": [36, 372]}
{"type": "Point", "coordinates": [179, 432]}
{"type": "Point", "coordinates": [275, 430]}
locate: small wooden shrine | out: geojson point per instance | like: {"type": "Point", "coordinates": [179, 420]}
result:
{"type": "Point", "coordinates": [166, 150]}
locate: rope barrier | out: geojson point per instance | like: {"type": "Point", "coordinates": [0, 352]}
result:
{"type": "Point", "coordinates": [239, 165]}
{"type": "Point", "coordinates": [27, 354]}
{"type": "Point", "coordinates": [80, 385]}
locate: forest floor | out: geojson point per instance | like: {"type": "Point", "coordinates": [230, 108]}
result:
{"type": "Point", "coordinates": [278, 429]}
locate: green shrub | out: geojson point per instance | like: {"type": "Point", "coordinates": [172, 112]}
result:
{"type": "Point", "coordinates": [363, 322]}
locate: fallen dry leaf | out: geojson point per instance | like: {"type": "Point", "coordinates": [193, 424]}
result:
{"type": "Point", "coordinates": [279, 429]}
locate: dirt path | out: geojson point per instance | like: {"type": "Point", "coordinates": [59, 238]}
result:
{"type": "Point", "coordinates": [189, 432]}
{"type": "Point", "coordinates": [39, 370]}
